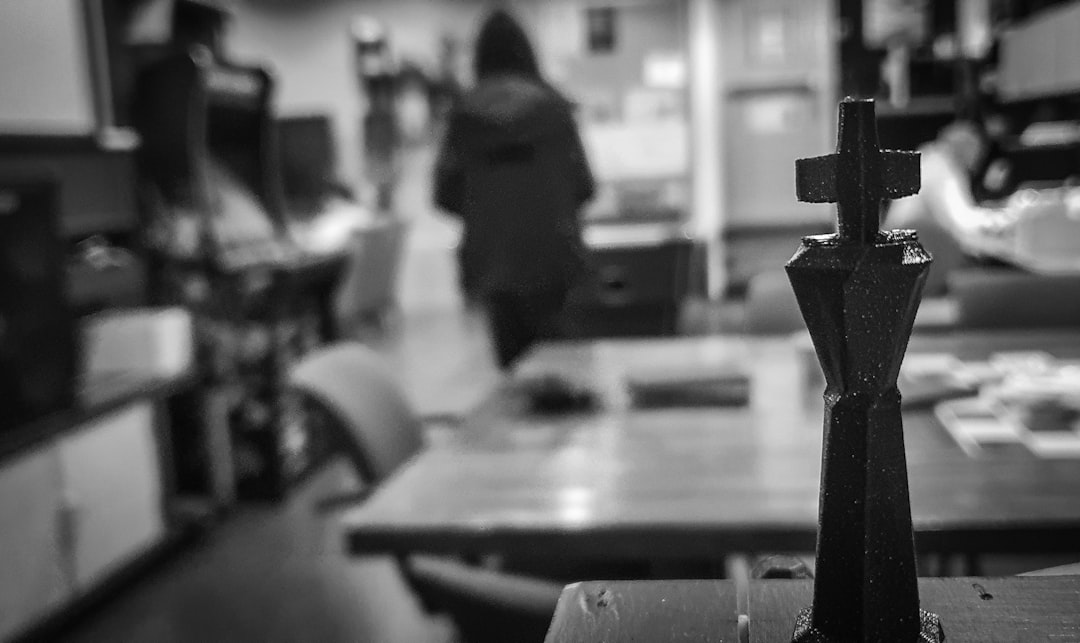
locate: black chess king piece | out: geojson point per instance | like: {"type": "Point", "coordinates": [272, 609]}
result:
{"type": "Point", "coordinates": [858, 291]}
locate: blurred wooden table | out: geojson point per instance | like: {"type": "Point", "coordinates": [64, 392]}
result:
{"type": "Point", "coordinates": [698, 483]}
{"type": "Point", "coordinates": [975, 610]}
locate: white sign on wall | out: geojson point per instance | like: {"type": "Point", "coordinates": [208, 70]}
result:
{"type": "Point", "coordinates": [638, 150]}
{"type": "Point", "coordinates": [664, 69]}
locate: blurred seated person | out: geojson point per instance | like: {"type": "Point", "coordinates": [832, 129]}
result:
{"type": "Point", "coordinates": [951, 224]}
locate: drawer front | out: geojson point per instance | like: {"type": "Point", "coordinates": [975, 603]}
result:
{"type": "Point", "coordinates": [639, 275]}
{"type": "Point", "coordinates": [633, 320]}
{"type": "Point", "coordinates": [33, 577]}
{"type": "Point", "coordinates": [112, 476]}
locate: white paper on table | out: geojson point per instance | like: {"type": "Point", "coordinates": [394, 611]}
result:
{"type": "Point", "coordinates": [1053, 444]}
{"type": "Point", "coordinates": [975, 422]}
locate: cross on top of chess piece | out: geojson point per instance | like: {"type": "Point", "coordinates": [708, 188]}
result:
{"type": "Point", "coordinates": [859, 175]}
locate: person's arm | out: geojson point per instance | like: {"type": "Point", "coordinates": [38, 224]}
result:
{"type": "Point", "coordinates": [449, 183]}
{"type": "Point", "coordinates": [947, 195]}
{"type": "Point", "coordinates": [582, 176]}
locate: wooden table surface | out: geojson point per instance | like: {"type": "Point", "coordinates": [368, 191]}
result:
{"type": "Point", "coordinates": [699, 482]}
{"type": "Point", "coordinates": [975, 610]}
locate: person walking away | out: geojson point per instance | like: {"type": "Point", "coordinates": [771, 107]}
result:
{"type": "Point", "coordinates": [513, 168]}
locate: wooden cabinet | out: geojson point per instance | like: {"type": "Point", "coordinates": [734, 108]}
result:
{"type": "Point", "coordinates": [112, 478]}
{"type": "Point", "coordinates": [75, 508]}
{"type": "Point", "coordinates": [258, 298]}
{"type": "Point", "coordinates": [33, 576]}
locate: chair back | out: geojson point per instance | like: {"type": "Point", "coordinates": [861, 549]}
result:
{"type": "Point", "coordinates": [379, 429]}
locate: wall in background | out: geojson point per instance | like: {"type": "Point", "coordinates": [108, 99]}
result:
{"type": "Point", "coordinates": [641, 29]}
{"type": "Point", "coordinates": [44, 71]}
{"type": "Point", "coordinates": [708, 137]}
{"type": "Point", "coordinates": [309, 46]}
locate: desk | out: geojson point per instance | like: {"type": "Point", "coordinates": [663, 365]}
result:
{"type": "Point", "coordinates": [975, 610]}
{"type": "Point", "coordinates": [699, 483]}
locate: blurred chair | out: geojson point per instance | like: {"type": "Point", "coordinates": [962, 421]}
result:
{"type": "Point", "coordinates": [368, 292]}
{"type": "Point", "coordinates": [771, 307]}
{"type": "Point", "coordinates": [379, 432]}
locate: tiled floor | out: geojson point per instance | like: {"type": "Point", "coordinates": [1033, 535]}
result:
{"type": "Point", "coordinates": [273, 573]}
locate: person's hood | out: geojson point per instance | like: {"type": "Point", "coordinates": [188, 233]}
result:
{"type": "Point", "coordinates": [512, 107]}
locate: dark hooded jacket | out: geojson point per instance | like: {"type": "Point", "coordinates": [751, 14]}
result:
{"type": "Point", "coordinates": [513, 168]}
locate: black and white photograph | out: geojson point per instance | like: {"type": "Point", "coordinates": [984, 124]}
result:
{"type": "Point", "coordinates": [539, 321]}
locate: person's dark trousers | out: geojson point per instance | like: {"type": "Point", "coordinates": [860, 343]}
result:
{"type": "Point", "coordinates": [519, 318]}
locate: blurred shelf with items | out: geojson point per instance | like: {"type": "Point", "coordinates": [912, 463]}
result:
{"type": "Point", "coordinates": [84, 439]}
{"type": "Point", "coordinates": [85, 444]}
{"type": "Point", "coordinates": [1039, 87]}
{"type": "Point", "coordinates": [931, 63]}
{"type": "Point", "coordinates": [223, 245]}
{"type": "Point", "coordinates": [920, 60]}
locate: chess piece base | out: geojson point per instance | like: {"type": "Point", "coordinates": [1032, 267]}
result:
{"type": "Point", "coordinates": [930, 630]}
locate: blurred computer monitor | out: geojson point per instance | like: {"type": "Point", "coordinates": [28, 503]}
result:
{"type": "Point", "coordinates": [306, 148]}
